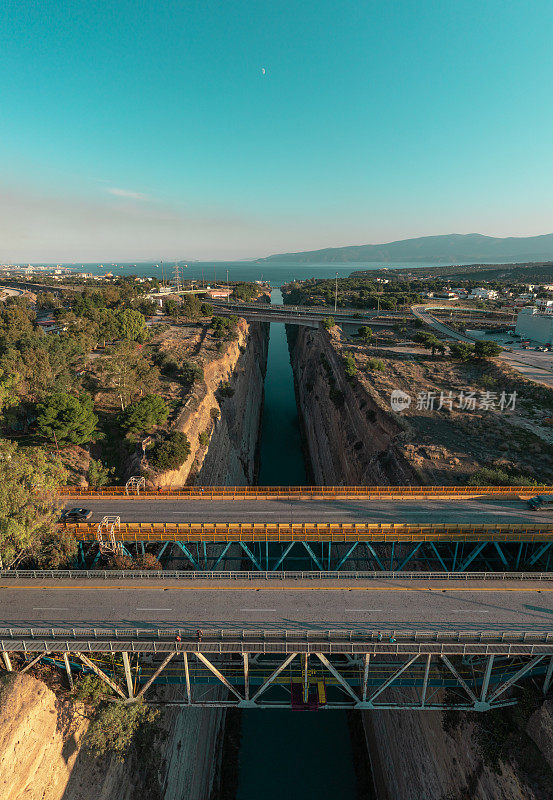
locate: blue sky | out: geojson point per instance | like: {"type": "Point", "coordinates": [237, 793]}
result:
{"type": "Point", "coordinates": [148, 129]}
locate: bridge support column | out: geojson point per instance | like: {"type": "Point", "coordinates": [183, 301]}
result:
{"type": "Point", "coordinates": [460, 680]}
{"type": "Point", "coordinates": [187, 678]}
{"type": "Point", "coordinates": [212, 668]}
{"type": "Point", "coordinates": [514, 678]}
{"type": "Point", "coordinates": [246, 677]}
{"type": "Point", "coordinates": [28, 666]}
{"type": "Point", "coordinates": [68, 670]}
{"type": "Point", "coordinates": [343, 683]}
{"type": "Point", "coordinates": [425, 679]}
{"type": "Point", "coordinates": [7, 661]}
{"type": "Point", "coordinates": [273, 676]}
{"type": "Point", "coordinates": [149, 682]}
{"type": "Point", "coordinates": [128, 676]}
{"type": "Point", "coordinates": [486, 681]}
{"type": "Point", "coordinates": [102, 675]}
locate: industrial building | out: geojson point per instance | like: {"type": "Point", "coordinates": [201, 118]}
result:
{"type": "Point", "coordinates": [534, 324]}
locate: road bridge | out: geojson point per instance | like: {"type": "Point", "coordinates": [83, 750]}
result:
{"type": "Point", "coordinates": [283, 532]}
{"type": "Point", "coordinates": [301, 641]}
{"type": "Point", "coordinates": [311, 319]}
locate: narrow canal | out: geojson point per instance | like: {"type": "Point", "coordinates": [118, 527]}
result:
{"type": "Point", "coordinates": [291, 754]}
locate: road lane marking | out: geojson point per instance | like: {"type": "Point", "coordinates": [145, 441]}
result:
{"type": "Point", "coordinates": [153, 609]}
{"type": "Point", "coordinates": [258, 609]}
{"type": "Point", "coordinates": [49, 608]}
{"type": "Point", "coordinates": [363, 610]}
{"type": "Point", "coordinates": [467, 611]}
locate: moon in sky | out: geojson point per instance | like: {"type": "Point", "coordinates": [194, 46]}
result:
{"type": "Point", "coordinates": [263, 70]}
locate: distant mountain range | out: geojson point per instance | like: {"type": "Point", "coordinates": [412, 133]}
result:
{"type": "Point", "coordinates": [450, 248]}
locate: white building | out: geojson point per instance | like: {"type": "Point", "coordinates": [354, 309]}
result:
{"type": "Point", "coordinates": [483, 294]}
{"type": "Point", "coordinates": [535, 324]}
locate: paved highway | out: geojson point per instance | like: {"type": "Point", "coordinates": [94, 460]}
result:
{"type": "Point", "coordinates": [315, 605]}
{"type": "Point", "coordinates": [284, 510]}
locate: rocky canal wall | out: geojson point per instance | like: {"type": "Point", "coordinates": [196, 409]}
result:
{"type": "Point", "coordinates": [348, 437]}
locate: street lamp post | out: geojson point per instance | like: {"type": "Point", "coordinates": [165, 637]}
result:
{"type": "Point", "coordinates": [336, 294]}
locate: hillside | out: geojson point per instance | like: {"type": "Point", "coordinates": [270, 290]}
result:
{"type": "Point", "coordinates": [450, 248]}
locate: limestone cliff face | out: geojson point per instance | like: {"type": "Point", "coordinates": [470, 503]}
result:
{"type": "Point", "coordinates": [348, 437]}
{"type": "Point", "coordinates": [230, 457]}
{"type": "Point", "coordinates": [41, 755]}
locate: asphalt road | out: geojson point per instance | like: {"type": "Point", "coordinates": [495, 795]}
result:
{"type": "Point", "coordinates": [363, 606]}
{"type": "Point", "coordinates": [424, 511]}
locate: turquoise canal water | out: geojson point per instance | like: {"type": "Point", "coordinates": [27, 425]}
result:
{"type": "Point", "coordinates": [297, 755]}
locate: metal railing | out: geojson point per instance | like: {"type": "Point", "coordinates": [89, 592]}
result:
{"type": "Point", "coordinates": [315, 532]}
{"type": "Point", "coordinates": [322, 492]}
{"type": "Point", "coordinates": [384, 641]}
{"type": "Point", "coordinates": [258, 576]}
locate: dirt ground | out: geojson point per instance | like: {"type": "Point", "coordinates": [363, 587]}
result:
{"type": "Point", "coordinates": [449, 433]}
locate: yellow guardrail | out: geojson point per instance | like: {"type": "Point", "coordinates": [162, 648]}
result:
{"type": "Point", "coordinates": [311, 532]}
{"type": "Point", "coordinates": [322, 492]}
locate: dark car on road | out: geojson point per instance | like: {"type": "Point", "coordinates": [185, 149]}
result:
{"type": "Point", "coordinates": [75, 515]}
{"type": "Point", "coordinates": [544, 501]}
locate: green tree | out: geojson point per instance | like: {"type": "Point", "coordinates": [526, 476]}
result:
{"type": "Point", "coordinates": [132, 325]}
{"type": "Point", "coordinates": [190, 372]}
{"type": "Point", "coordinates": [461, 351]}
{"type": "Point", "coordinates": [127, 370]}
{"type": "Point", "coordinates": [329, 322]}
{"type": "Point", "coordinates": [67, 418]}
{"type": "Point", "coordinates": [191, 307]}
{"type": "Point", "coordinates": [28, 502]}
{"type": "Point", "coordinates": [145, 414]}
{"type": "Point", "coordinates": [486, 349]}
{"type": "Point", "coordinates": [245, 291]}
{"type": "Point", "coordinates": [206, 309]}
{"type": "Point", "coordinates": [98, 474]}
{"type": "Point", "coordinates": [365, 333]}
{"type": "Point", "coordinates": [170, 452]}
{"type": "Point", "coordinates": [430, 342]}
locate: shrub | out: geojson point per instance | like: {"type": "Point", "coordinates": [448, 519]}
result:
{"type": "Point", "coordinates": [142, 416]}
{"type": "Point", "coordinates": [225, 389]}
{"type": "Point", "coordinates": [114, 727]}
{"type": "Point", "coordinates": [214, 414]}
{"type": "Point", "coordinates": [191, 372]}
{"type": "Point", "coordinates": [350, 367]}
{"type": "Point", "coordinates": [224, 327]}
{"type": "Point", "coordinates": [375, 365]}
{"type": "Point", "coordinates": [365, 333]}
{"type": "Point", "coordinates": [486, 349]}
{"type": "Point", "coordinates": [170, 452]}
{"type": "Point", "coordinates": [206, 309]}
{"type": "Point", "coordinates": [496, 476]}
{"type": "Point", "coordinates": [336, 396]}
{"type": "Point", "coordinates": [90, 690]}
{"type": "Point", "coordinates": [147, 561]}
{"type": "Point", "coordinates": [204, 438]}
{"type": "Point", "coordinates": [329, 322]}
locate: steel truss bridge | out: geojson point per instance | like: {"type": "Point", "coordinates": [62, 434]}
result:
{"type": "Point", "coordinates": [428, 662]}
{"type": "Point", "coordinates": [499, 532]}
